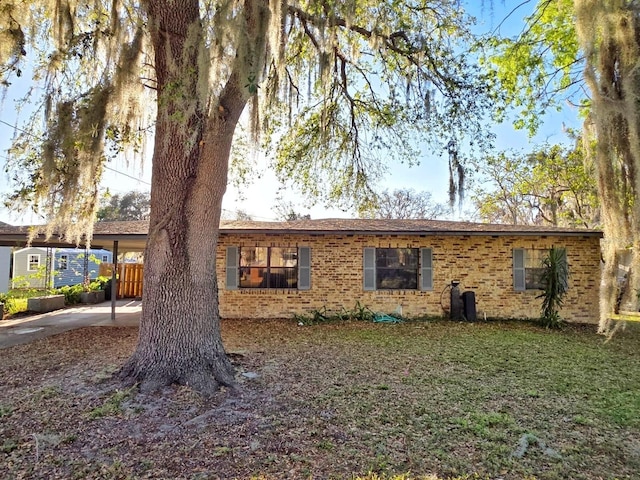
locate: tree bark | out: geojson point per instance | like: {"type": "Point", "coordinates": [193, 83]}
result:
{"type": "Point", "coordinates": [179, 339]}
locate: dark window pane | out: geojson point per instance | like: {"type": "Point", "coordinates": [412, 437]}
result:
{"type": "Point", "coordinates": [386, 257]}
{"type": "Point", "coordinates": [397, 279]}
{"type": "Point", "coordinates": [281, 278]}
{"type": "Point", "coordinates": [533, 278]}
{"type": "Point", "coordinates": [268, 267]}
{"type": "Point", "coordinates": [397, 268]}
{"type": "Point", "coordinates": [409, 257]}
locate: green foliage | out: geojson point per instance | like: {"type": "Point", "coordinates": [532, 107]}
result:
{"type": "Point", "coordinates": [15, 305]}
{"type": "Point", "coordinates": [130, 206]}
{"type": "Point", "coordinates": [9, 445]}
{"type": "Point", "coordinates": [481, 424]}
{"type": "Point", "coordinates": [99, 283]}
{"type": "Point", "coordinates": [540, 68]}
{"type": "Point", "coordinates": [27, 292]}
{"type": "Point", "coordinates": [71, 293]}
{"type": "Point", "coordinates": [5, 410]}
{"type": "Point", "coordinates": [114, 404]}
{"type": "Point", "coordinates": [16, 300]}
{"type": "Point", "coordinates": [25, 282]}
{"type": "Point", "coordinates": [359, 313]}
{"type": "Point", "coordinates": [555, 278]}
{"type": "Point", "coordinates": [550, 186]}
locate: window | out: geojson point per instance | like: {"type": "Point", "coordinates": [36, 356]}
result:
{"type": "Point", "coordinates": [105, 258]}
{"type": "Point", "coordinates": [528, 268]}
{"type": "Point", "coordinates": [63, 262]}
{"type": "Point", "coordinates": [33, 262]}
{"type": "Point", "coordinates": [268, 267]}
{"type": "Point", "coordinates": [398, 269]}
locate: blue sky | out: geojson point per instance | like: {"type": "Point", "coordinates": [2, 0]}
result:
{"type": "Point", "coordinates": [260, 198]}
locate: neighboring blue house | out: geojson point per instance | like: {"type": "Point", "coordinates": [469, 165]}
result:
{"type": "Point", "coordinates": [39, 267]}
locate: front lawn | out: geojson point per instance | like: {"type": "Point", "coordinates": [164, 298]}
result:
{"type": "Point", "coordinates": [502, 400]}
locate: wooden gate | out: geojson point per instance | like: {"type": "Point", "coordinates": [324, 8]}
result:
{"type": "Point", "coordinates": [129, 278]}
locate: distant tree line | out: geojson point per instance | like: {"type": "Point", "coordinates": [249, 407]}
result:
{"type": "Point", "coordinates": [134, 205]}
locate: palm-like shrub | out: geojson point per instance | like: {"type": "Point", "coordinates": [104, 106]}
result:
{"type": "Point", "coordinates": [555, 278]}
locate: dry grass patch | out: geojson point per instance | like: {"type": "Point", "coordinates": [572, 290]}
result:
{"type": "Point", "coordinates": [342, 400]}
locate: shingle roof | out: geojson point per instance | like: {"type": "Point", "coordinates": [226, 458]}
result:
{"type": "Point", "coordinates": [135, 231]}
{"type": "Point", "coordinates": [396, 226]}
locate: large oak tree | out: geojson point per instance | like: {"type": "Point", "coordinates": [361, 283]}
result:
{"type": "Point", "coordinates": [340, 84]}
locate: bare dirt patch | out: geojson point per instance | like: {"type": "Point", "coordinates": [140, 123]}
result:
{"type": "Point", "coordinates": [503, 400]}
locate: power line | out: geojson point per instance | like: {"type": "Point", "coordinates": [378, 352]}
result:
{"type": "Point", "coordinates": [127, 175]}
{"type": "Point", "coordinates": [123, 173]}
{"type": "Point", "coordinates": [15, 127]}
{"type": "Point", "coordinates": [38, 138]}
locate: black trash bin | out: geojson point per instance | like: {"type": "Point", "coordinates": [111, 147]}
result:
{"type": "Point", "coordinates": [469, 305]}
{"type": "Point", "coordinates": [107, 290]}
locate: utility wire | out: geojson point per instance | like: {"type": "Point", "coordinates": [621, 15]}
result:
{"type": "Point", "coordinates": [127, 175]}
{"type": "Point", "coordinates": [38, 138]}
{"type": "Point", "coordinates": [118, 171]}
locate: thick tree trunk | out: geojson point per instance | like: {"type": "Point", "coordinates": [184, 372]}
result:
{"type": "Point", "coordinates": [180, 340]}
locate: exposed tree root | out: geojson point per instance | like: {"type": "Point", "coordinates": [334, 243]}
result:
{"type": "Point", "coordinates": [205, 377]}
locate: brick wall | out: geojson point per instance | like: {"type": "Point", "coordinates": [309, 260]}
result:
{"type": "Point", "coordinates": [483, 264]}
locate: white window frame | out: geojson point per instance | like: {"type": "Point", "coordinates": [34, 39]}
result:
{"type": "Point", "coordinates": [31, 256]}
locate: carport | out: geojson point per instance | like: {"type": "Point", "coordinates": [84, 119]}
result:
{"type": "Point", "coordinates": [130, 236]}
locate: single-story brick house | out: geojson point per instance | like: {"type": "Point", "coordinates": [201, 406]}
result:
{"type": "Point", "coordinates": [277, 269]}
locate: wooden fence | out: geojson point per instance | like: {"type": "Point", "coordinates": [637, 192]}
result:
{"type": "Point", "coordinates": [129, 278]}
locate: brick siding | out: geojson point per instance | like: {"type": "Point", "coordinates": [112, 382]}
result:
{"type": "Point", "coordinates": [482, 263]}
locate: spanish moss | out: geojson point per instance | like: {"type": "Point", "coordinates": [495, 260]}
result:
{"type": "Point", "coordinates": [608, 32]}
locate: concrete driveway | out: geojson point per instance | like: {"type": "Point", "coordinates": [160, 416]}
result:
{"type": "Point", "coordinates": [22, 330]}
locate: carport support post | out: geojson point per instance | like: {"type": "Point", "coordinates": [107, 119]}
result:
{"type": "Point", "coordinates": [114, 281]}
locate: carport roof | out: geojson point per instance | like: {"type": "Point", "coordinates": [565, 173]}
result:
{"type": "Point", "coordinates": [132, 235]}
